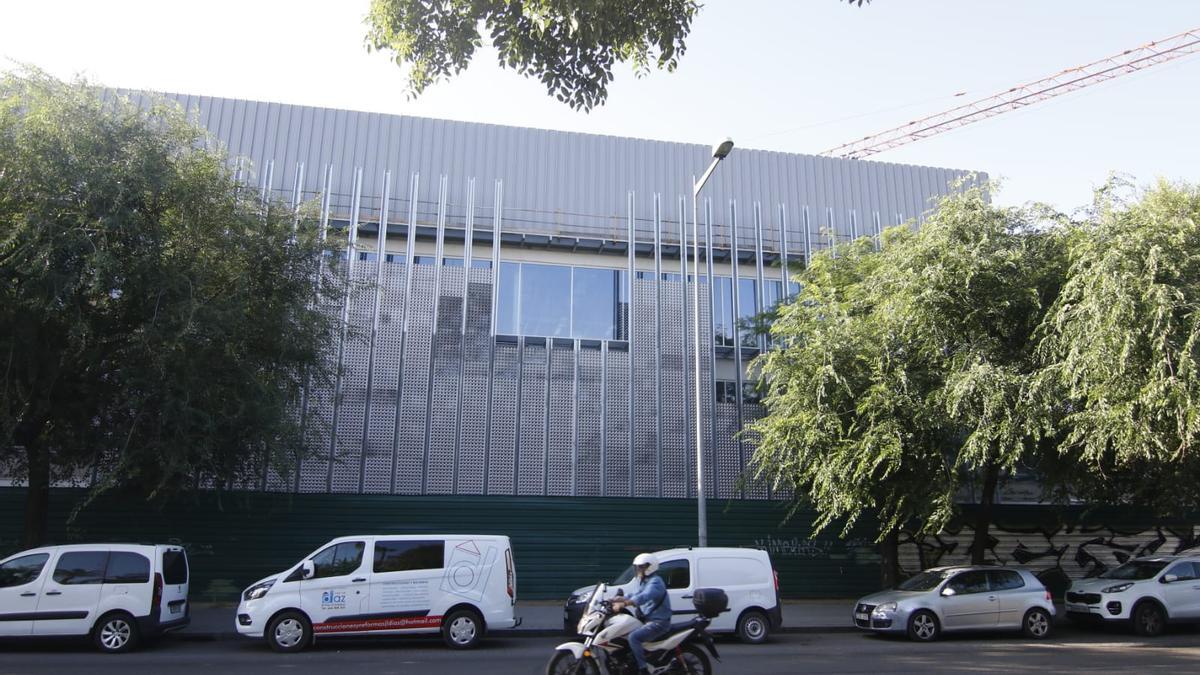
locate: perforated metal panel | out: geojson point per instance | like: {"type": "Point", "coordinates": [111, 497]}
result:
{"type": "Point", "coordinates": [347, 467]}
{"type": "Point", "coordinates": [531, 453]}
{"type": "Point", "coordinates": [561, 448]}
{"type": "Point", "coordinates": [727, 469]}
{"type": "Point", "coordinates": [381, 427]}
{"type": "Point", "coordinates": [443, 412]}
{"type": "Point", "coordinates": [588, 422]}
{"type": "Point", "coordinates": [706, 339]}
{"type": "Point", "coordinates": [616, 455]}
{"type": "Point", "coordinates": [755, 488]}
{"type": "Point", "coordinates": [410, 448]}
{"type": "Point", "coordinates": [501, 466]}
{"type": "Point", "coordinates": [477, 355]}
{"type": "Point", "coordinates": [318, 419]}
{"type": "Point", "coordinates": [677, 455]}
{"type": "Point", "coordinates": [645, 412]}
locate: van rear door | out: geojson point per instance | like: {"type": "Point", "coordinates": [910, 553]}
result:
{"type": "Point", "coordinates": [171, 583]}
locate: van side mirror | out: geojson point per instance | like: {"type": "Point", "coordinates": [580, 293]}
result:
{"type": "Point", "coordinates": [309, 570]}
{"type": "Point", "coordinates": [947, 592]}
{"type": "Point", "coordinates": [1170, 578]}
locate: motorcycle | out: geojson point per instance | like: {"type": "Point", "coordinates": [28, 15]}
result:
{"type": "Point", "coordinates": [605, 646]}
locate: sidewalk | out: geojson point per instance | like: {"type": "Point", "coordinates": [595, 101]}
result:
{"type": "Point", "coordinates": [542, 618]}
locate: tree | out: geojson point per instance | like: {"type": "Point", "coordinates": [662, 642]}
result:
{"type": "Point", "coordinates": [156, 321]}
{"type": "Point", "coordinates": [911, 374]}
{"type": "Point", "coordinates": [1122, 348]}
{"type": "Point", "coordinates": [570, 45]}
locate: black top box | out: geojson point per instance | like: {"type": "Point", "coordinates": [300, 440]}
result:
{"type": "Point", "coordinates": [710, 602]}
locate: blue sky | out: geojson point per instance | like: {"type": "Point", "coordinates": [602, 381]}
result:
{"type": "Point", "coordinates": [795, 76]}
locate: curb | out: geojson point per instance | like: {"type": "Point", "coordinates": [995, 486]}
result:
{"type": "Point", "coordinates": [196, 636]}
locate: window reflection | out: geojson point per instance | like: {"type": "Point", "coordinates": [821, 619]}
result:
{"type": "Point", "coordinates": [559, 301]}
{"type": "Point", "coordinates": [596, 310]}
{"type": "Point", "coordinates": [545, 300]}
{"type": "Point", "coordinates": [747, 311]}
{"type": "Point", "coordinates": [506, 309]}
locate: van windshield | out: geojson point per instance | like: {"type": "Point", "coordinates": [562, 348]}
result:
{"type": "Point", "coordinates": [625, 577]}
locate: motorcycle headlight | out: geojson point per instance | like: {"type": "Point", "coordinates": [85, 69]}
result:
{"type": "Point", "coordinates": [1117, 589]}
{"type": "Point", "coordinates": [258, 590]}
{"type": "Point", "coordinates": [885, 608]}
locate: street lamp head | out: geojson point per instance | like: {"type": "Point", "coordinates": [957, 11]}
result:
{"type": "Point", "coordinates": [722, 149]}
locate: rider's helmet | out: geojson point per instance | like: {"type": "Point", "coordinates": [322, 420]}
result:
{"type": "Point", "coordinates": [648, 560]}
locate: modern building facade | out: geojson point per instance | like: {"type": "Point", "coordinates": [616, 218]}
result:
{"type": "Point", "coordinates": [525, 328]}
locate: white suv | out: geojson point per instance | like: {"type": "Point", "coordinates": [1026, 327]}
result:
{"type": "Point", "coordinates": [1150, 592]}
{"type": "Point", "coordinates": [114, 593]}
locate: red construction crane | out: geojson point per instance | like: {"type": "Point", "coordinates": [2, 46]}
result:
{"type": "Point", "coordinates": [1128, 61]}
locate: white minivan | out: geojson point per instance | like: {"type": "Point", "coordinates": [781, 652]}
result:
{"type": "Point", "coordinates": [114, 593]}
{"type": "Point", "coordinates": [460, 585]}
{"type": "Point", "coordinates": [745, 574]}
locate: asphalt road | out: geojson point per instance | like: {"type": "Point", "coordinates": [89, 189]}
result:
{"type": "Point", "coordinates": [1071, 650]}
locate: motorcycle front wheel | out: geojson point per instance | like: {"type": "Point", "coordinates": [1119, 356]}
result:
{"type": "Point", "coordinates": [692, 661]}
{"type": "Point", "coordinates": [565, 663]}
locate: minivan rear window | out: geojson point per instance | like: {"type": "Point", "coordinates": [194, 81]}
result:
{"type": "Point", "coordinates": [402, 556]}
{"type": "Point", "coordinates": [127, 568]}
{"type": "Point", "coordinates": [175, 567]}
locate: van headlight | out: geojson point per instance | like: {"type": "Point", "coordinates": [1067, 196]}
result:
{"type": "Point", "coordinates": [1119, 588]}
{"type": "Point", "coordinates": [258, 590]}
{"type": "Point", "coordinates": [885, 608]}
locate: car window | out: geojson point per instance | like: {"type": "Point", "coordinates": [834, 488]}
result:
{"type": "Point", "coordinates": [676, 573]}
{"type": "Point", "coordinates": [401, 556]}
{"type": "Point", "coordinates": [1186, 571]}
{"type": "Point", "coordinates": [925, 581]}
{"type": "Point", "coordinates": [125, 567]}
{"type": "Point", "coordinates": [1005, 580]}
{"type": "Point", "coordinates": [81, 567]}
{"type": "Point", "coordinates": [338, 560]}
{"type": "Point", "coordinates": [175, 567]}
{"type": "Point", "coordinates": [969, 582]}
{"type": "Point", "coordinates": [20, 571]}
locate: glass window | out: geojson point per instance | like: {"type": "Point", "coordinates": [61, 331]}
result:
{"type": "Point", "coordinates": [594, 307]}
{"type": "Point", "coordinates": [481, 264]}
{"type": "Point", "coordinates": [670, 276]}
{"type": "Point", "coordinates": [81, 567]}
{"type": "Point", "coordinates": [394, 258]}
{"type": "Point", "coordinates": [676, 573]}
{"type": "Point", "coordinates": [20, 571]}
{"type": "Point", "coordinates": [969, 582]}
{"type": "Point", "coordinates": [127, 568]}
{"type": "Point", "coordinates": [747, 311]}
{"type": "Point", "coordinates": [545, 300]}
{"type": "Point", "coordinates": [401, 556]}
{"type": "Point", "coordinates": [452, 262]}
{"type": "Point", "coordinates": [506, 310]}
{"type": "Point", "coordinates": [723, 311]}
{"type": "Point", "coordinates": [175, 567]}
{"type": "Point", "coordinates": [750, 392]}
{"type": "Point", "coordinates": [368, 256]}
{"type": "Point", "coordinates": [424, 259]}
{"type": "Point", "coordinates": [1005, 580]}
{"type": "Point", "coordinates": [1186, 571]}
{"type": "Point", "coordinates": [1135, 570]}
{"type": "Point", "coordinates": [925, 581]}
{"type": "Point", "coordinates": [338, 560]}
{"type": "Point", "coordinates": [726, 391]}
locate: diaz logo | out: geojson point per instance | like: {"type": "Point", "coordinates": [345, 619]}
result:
{"type": "Point", "coordinates": [333, 600]}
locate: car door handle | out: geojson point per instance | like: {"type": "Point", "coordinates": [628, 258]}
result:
{"type": "Point", "coordinates": [991, 598]}
{"type": "Point", "coordinates": [53, 592]}
{"type": "Point", "coordinates": [28, 595]}
{"type": "Point", "coordinates": [686, 597]}
{"type": "Point", "coordinates": [358, 580]}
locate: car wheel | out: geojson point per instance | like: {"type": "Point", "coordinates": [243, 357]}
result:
{"type": "Point", "coordinates": [753, 627]}
{"type": "Point", "coordinates": [1036, 624]}
{"type": "Point", "coordinates": [463, 629]}
{"type": "Point", "coordinates": [1149, 620]}
{"type": "Point", "coordinates": [289, 632]}
{"type": "Point", "coordinates": [923, 626]}
{"type": "Point", "coordinates": [115, 633]}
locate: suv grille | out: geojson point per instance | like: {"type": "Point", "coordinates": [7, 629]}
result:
{"type": "Point", "coordinates": [1084, 598]}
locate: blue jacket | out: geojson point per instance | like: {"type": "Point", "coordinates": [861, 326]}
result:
{"type": "Point", "coordinates": [652, 599]}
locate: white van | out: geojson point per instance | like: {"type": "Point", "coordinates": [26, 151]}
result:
{"type": "Point", "coordinates": [745, 574]}
{"type": "Point", "coordinates": [460, 585]}
{"type": "Point", "coordinates": [115, 593]}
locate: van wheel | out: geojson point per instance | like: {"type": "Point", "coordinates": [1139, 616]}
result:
{"type": "Point", "coordinates": [1149, 620]}
{"type": "Point", "coordinates": [753, 627]}
{"type": "Point", "coordinates": [288, 632]}
{"type": "Point", "coordinates": [462, 629]}
{"type": "Point", "coordinates": [115, 633]}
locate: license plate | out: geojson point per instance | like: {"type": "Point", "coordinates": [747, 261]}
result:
{"type": "Point", "coordinates": [175, 609]}
{"type": "Point", "coordinates": [861, 616]}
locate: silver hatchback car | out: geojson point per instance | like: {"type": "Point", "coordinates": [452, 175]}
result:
{"type": "Point", "coordinates": [959, 598]}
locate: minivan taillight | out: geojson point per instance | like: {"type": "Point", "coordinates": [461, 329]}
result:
{"type": "Point", "coordinates": [509, 577]}
{"type": "Point", "coordinates": [1048, 597]}
{"type": "Point", "coordinates": [158, 591]}
{"type": "Point", "coordinates": [775, 573]}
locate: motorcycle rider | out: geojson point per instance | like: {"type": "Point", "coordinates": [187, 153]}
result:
{"type": "Point", "coordinates": [654, 605]}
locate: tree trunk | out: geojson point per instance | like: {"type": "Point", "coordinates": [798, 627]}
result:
{"type": "Point", "coordinates": [983, 517]}
{"type": "Point", "coordinates": [889, 559]}
{"type": "Point", "coordinates": [37, 498]}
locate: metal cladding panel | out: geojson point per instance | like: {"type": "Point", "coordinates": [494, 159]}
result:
{"type": "Point", "coordinates": [381, 425]}
{"type": "Point", "coordinates": [477, 357]}
{"type": "Point", "coordinates": [754, 488]}
{"type": "Point", "coordinates": [616, 451]}
{"type": "Point", "coordinates": [414, 389]}
{"type": "Point", "coordinates": [356, 356]}
{"type": "Point", "coordinates": [706, 387]}
{"type": "Point", "coordinates": [589, 420]}
{"type": "Point", "coordinates": [443, 403]}
{"type": "Point", "coordinates": [531, 447]}
{"type": "Point", "coordinates": [646, 480]}
{"type": "Point", "coordinates": [676, 396]}
{"type": "Point", "coordinates": [566, 182]}
{"type": "Point", "coordinates": [318, 420]}
{"type": "Point", "coordinates": [560, 460]}
{"type": "Point", "coordinates": [727, 470]}
{"type": "Point", "coordinates": [501, 465]}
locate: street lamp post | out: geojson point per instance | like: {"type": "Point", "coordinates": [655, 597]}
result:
{"type": "Point", "coordinates": [719, 152]}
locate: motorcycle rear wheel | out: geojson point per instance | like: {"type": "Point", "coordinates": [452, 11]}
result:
{"type": "Point", "coordinates": [695, 662]}
{"type": "Point", "coordinates": [565, 663]}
